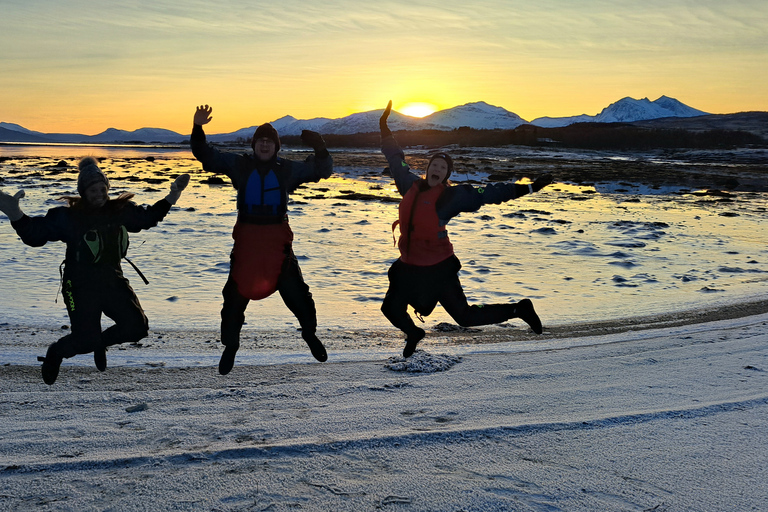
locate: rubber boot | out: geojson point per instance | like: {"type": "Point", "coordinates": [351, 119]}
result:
{"type": "Point", "coordinates": [412, 340]}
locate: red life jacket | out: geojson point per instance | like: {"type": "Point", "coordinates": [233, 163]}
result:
{"type": "Point", "coordinates": [423, 241]}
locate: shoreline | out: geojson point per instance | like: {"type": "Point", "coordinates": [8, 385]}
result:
{"type": "Point", "coordinates": [20, 345]}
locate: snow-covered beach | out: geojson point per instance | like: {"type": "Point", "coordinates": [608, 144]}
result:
{"type": "Point", "coordinates": [647, 390]}
{"type": "Point", "coordinates": [672, 419]}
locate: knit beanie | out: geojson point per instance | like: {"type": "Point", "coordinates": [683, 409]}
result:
{"type": "Point", "coordinates": [268, 131]}
{"type": "Point", "coordinates": [448, 160]}
{"type": "Point", "coordinates": [89, 174]}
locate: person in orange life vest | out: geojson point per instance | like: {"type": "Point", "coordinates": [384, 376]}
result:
{"type": "Point", "coordinates": [262, 260]}
{"type": "Point", "coordinates": [95, 229]}
{"type": "Point", "coordinates": [427, 271]}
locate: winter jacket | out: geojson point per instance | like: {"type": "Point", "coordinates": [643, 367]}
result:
{"type": "Point", "coordinates": [456, 198]}
{"type": "Point", "coordinates": [96, 240]}
{"type": "Point", "coordinates": [262, 187]}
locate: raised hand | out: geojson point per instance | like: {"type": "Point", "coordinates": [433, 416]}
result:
{"type": "Point", "coordinates": [177, 187]}
{"type": "Point", "coordinates": [385, 131]}
{"type": "Point", "coordinates": [313, 140]}
{"type": "Point", "coordinates": [203, 115]}
{"type": "Point", "coordinates": [9, 205]}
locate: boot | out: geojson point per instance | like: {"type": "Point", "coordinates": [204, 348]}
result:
{"type": "Point", "coordinates": [100, 358]}
{"type": "Point", "coordinates": [317, 348]}
{"type": "Point", "coordinates": [228, 359]}
{"type": "Point", "coordinates": [412, 340]}
{"type": "Point", "coordinates": [51, 364]}
{"type": "Point", "coordinates": [525, 312]}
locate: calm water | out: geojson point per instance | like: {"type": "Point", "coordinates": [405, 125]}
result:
{"type": "Point", "coordinates": [580, 253]}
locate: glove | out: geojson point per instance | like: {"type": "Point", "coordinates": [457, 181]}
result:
{"type": "Point", "coordinates": [177, 187]}
{"type": "Point", "coordinates": [313, 140]}
{"type": "Point", "coordinates": [9, 205]}
{"type": "Point", "coordinates": [385, 131]}
{"type": "Point", "coordinates": [541, 182]}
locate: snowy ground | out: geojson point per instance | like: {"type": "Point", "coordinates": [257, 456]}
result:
{"type": "Point", "coordinates": [671, 419]}
{"type": "Point", "coordinates": [647, 391]}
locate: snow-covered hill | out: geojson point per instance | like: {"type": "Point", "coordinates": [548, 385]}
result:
{"type": "Point", "coordinates": [478, 115]}
{"type": "Point", "coordinates": [627, 110]}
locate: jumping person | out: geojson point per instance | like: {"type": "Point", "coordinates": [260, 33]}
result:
{"type": "Point", "coordinates": [95, 228]}
{"type": "Point", "coordinates": [262, 260]}
{"type": "Point", "coordinates": [427, 271]}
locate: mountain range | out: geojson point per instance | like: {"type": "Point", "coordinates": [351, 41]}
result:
{"type": "Point", "coordinates": [478, 115]}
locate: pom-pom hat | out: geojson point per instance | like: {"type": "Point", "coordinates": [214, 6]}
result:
{"type": "Point", "coordinates": [90, 174]}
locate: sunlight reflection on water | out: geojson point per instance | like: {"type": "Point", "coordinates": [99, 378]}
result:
{"type": "Point", "coordinates": [582, 253]}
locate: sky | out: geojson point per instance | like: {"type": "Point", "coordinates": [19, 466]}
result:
{"type": "Point", "coordinates": [80, 66]}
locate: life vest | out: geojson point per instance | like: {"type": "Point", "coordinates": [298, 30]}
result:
{"type": "Point", "coordinates": [423, 238]}
{"type": "Point", "coordinates": [263, 199]}
{"type": "Point", "coordinates": [103, 244]}
{"type": "Point", "coordinates": [108, 244]}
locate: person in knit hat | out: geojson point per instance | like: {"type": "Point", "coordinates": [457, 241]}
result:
{"type": "Point", "coordinates": [262, 260]}
{"type": "Point", "coordinates": [95, 229]}
{"type": "Point", "coordinates": [427, 271]}
{"type": "Point", "coordinates": [90, 173]}
{"type": "Point", "coordinates": [265, 131]}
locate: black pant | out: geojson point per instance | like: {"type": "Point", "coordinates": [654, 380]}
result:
{"type": "Point", "coordinates": [293, 290]}
{"type": "Point", "coordinates": [87, 298]}
{"type": "Point", "coordinates": [423, 287]}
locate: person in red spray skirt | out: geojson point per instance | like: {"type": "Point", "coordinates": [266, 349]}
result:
{"type": "Point", "coordinates": [262, 260]}
{"type": "Point", "coordinates": [427, 271]}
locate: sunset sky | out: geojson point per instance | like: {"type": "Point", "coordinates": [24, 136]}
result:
{"type": "Point", "coordinates": [85, 66]}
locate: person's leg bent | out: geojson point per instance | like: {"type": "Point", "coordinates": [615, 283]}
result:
{"type": "Point", "coordinates": [395, 308]}
{"type": "Point", "coordinates": [455, 304]}
{"type": "Point", "coordinates": [120, 303]}
{"type": "Point", "coordinates": [85, 329]}
{"type": "Point", "coordinates": [297, 297]}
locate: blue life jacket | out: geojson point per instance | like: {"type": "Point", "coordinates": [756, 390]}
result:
{"type": "Point", "coordinates": [264, 198]}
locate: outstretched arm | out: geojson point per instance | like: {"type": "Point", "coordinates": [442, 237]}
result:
{"type": "Point", "coordinates": [136, 218]}
{"type": "Point", "coordinates": [213, 160]}
{"type": "Point", "coordinates": [383, 127]}
{"type": "Point", "coordinates": [400, 170]}
{"type": "Point", "coordinates": [316, 167]}
{"type": "Point", "coordinates": [177, 187]}
{"type": "Point", "coordinates": [9, 205]}
{"type": "Point", "coordinates": [466, 198]}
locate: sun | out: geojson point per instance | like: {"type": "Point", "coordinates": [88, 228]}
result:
{"type": "Point", "coordinates": [417, 109]}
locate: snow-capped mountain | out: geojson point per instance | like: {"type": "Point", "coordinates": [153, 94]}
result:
{"type": "Point", "coordinates": [477, 115]}
{"type": "Point", "coordinates": [680, 109]}
{"type": "Point", "coordinates": [626, 110]}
